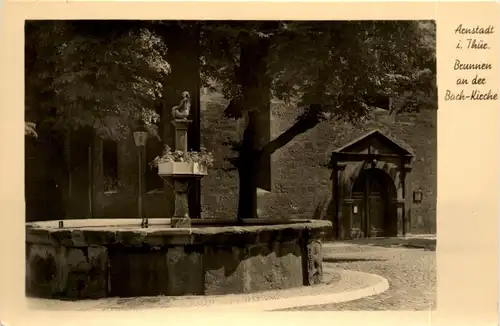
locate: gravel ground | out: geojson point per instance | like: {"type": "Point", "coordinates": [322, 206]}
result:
{"type": "Point", "coordinates": [411, 274]}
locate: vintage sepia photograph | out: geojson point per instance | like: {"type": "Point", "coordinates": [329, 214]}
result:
{"type": "Point", "coordinates": [254, 165]}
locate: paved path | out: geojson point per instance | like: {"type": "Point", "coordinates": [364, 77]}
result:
{"type": "Point", "coordinates": [411, 274]}
{"type": "Point", "coordinates": [342, 285]}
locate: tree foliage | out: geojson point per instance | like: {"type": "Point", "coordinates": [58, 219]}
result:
{"type": "Point", "coordinates": [77, 78]}
{"type": "Point", "coordinates": [100, 73]}
{"type": "Point", "coordinates": [329, 70]}
{"type": "Point", "coordinates": [340, 68]}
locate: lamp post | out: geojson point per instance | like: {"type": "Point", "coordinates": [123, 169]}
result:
{"type": "Point", "coordinates": [140, 139]}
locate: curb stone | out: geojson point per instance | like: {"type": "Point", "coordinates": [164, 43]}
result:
{"type": "Point", "coordinates": [381, 286]}
{"type": "Point", "coordinates": [428, 244]}
{"type": "Point", "coordinates": [352, 285]}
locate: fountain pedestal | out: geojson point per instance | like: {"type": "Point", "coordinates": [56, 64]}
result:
{"type": "Point", "coordinates": [181, 173]}
{"type": "Point", "coordinates": [181, 128]}
{"type": "Point", "coordinates": [181, 217]}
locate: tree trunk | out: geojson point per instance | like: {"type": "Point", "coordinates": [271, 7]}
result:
{"type": "Point", "coordinates": [248, 169]}
{"type": "Point", "coordinates": [247, 200]}
{"type": "Point", "coordinates": [255, 102]}
{"type": "Point", "coordinates": [247, 197]}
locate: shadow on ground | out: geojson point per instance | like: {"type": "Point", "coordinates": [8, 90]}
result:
{"type": "Point", "coordinates": [427, 244]}
{"type": "Point", "coordinates": [348, 260]}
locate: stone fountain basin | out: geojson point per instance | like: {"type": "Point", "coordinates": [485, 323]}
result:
{"type": "Point", "coordinates": [98, 258]}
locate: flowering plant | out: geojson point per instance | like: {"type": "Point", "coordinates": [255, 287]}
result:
{"type": "Point", "coordinates": [202, 157]}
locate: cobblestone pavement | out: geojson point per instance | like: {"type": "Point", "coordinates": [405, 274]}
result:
{"type": "Point", "coordinates": [411, 274]}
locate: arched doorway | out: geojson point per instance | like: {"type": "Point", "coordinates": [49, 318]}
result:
{"type": "Point", "coordinates": [374, 211]}
{"type": "Point", "coordinates": [365, 174]}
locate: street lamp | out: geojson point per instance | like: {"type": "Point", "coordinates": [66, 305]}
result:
{"type": "Point", "coordinates": [140, 139]}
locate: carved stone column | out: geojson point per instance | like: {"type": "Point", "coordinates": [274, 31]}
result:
{"type": "Point", "coordinates": [181, 217]}
{"type": "Point", "coordinates": [349, 204]}
{"type": "Point", "coordinates": [181, 130]}
{"type": "Point", "coordinates": [406, 169]}
{"type": "Point", "coordinates": [399, 203]}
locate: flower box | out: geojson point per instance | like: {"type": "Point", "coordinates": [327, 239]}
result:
{"type": "Point", "coordinates": [181, 169]}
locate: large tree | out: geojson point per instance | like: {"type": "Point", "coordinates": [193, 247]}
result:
{"type": "Point", "coordinates": [327, 71]}
{"type": "Point", "coordinates": [86, 74]}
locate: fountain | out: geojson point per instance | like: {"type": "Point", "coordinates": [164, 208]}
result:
{"type": "Point", "coordinates": [181, 172]}
{"type": "Point", "coordinates": [98, 258]}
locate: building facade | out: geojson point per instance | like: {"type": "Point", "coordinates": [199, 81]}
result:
{"type": "Point", "coordinates": [301, 180]}
{"type": "Point", "coordinates": [87, 177]}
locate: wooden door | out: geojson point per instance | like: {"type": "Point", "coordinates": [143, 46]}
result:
{"type": "Point", "coordinates": [371, 194]}
{"type": "Point", "coordinates": [375, 226]}
{"type": "Point", "coordinates": [358, 215]}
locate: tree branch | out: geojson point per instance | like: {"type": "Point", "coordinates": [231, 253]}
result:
{"type": "Point", "coordinates": [228, 170]}
{"type": "Point", "coordinates": [300, 126]}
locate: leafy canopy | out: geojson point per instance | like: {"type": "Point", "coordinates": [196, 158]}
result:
{"type": "Point", "coordinates": [104, 74]}
{"type": "Point", "coordinates": [331, 69]}
{"type": "Point", "coordinates": [76, 79]}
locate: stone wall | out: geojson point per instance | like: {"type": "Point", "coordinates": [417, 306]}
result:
{"type": "Point", "coordinates": [301, 184]}
{"type": "Point", "coordinates": [219, 190]}
{"type": "Point", "coordinates": [97, 262]}
{"type": "Point", "coordinates": [49, 182]}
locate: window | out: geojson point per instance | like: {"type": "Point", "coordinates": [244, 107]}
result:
{"type": "Point", "coordinates": [110, 166]}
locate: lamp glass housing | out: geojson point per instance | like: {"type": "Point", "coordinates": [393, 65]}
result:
{"type": "Point", "coordinates": [140, 138]}
{"type": "Point", "coordinates": [417, 196]}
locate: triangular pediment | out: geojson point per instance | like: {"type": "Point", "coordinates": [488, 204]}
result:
{"type": "Point", "coordinates": [374, 142]}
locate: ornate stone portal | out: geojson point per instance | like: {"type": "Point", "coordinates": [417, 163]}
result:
{"type": "Point", "coordinates": [369, 186]}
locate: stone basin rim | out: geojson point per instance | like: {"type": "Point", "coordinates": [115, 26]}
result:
{"type": "Point", "coordinates": [225, 224]}
{"type": "Point", "coordinates": [255, 231]}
